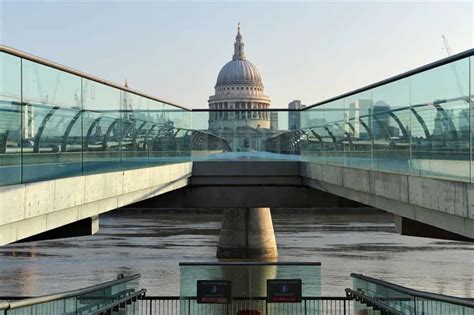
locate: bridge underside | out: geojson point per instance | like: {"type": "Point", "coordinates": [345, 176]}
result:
{"type": "Point", "coordinates": [234, 184]}
{"type": "Point", "coordinates": [424, 206]}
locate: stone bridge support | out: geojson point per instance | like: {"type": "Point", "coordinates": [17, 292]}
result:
{"type": "Point", "coordinates": [247, 233]}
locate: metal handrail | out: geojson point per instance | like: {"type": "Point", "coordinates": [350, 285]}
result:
{"type": "Point", "coordinates": [416, 293]}
{"type": "Point", "coordinates": [398, 109]}
{"type": "Point", "coordinates": [438, 63]}
{"type": "Point", "coordinates": [435, 64]}
{"type": "Point", "coordinates": [25, 55]}
{"type": "Point", "coordinates": [106, 309]}
{"type": "Point", "coordinates": [69, 294]}
{"type": "Point", "coordinates": [249, 298]}
{"type": "Point", "coordinates": [369, 300]}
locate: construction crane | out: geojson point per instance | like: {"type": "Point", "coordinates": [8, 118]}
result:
{"type": "Point", "coordinates": [453, 65]}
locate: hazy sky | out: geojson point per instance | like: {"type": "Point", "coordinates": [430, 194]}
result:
{"type": "Point", "coordinates": [174, 50]}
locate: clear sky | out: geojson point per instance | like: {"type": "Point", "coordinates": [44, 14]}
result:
{"type": "Point", "coordinates": [174, 50]}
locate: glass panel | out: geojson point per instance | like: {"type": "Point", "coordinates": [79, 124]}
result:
{"type": "Point", "coordinates": [51, 138]}
{"type": "Point", "coordinates": [471, 91]}
{"type": "Point", "coordinates": [248, 283]}
{"type": "Point", "coordinates": [407, 303]}
{"type": "Point", "coordinates": [157, 133]}
{"type": "Point", "coordinates": [10, 120]}
{"type": "Point", "coordinates": [81, 304]}
{"type": "Point", "coordinates": [205, 144]}
{"type": "Point", "coordinates": [357, 141]}
{"type": "Point", "coordinates": [439, 122]}
{"type": "Point", "coordinates": [101, 127]}
{"type": "Point", "coordinates": [333, 132]}
{"type": "Point", "coordinates": [177, 135]}
{"type": "Point", "coordinates": [419, 125]}
{"type": "Point", "coordinates": [244, 135]}
{"type": "Point", "coordinates": [315, 143]}
{"type": "Point", "coordinates": [390, 127]}
{"type": "Point", "coordinates": [134, 130]}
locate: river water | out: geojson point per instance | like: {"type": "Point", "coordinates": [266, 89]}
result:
{"type": "Point", "coordinates": [153, 245]}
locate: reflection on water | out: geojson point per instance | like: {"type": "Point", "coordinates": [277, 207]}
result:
{"type": "Point", "coordinates": [154, 244]}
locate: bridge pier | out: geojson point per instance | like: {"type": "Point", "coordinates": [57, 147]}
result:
{"type": "Point", "coordinates": [247, 233]}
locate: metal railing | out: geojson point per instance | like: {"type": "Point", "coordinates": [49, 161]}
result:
{"type": "Point", "coordinates": [127, 303]}
{"type": "Point", "coordinates": [82, 301]}
{"type": "Point", "coordinates": [95, 126]}
{"type": "Point", "coordinates": [409, 301]}
{"type": "Point", "coordinates": [173, 305]}
{"type": "Point", "coordinates": [372, 303]}
{"type": "Point", "coordinates": [57, 66]}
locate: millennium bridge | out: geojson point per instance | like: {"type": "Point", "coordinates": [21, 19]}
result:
{"type": "Point", "coordinates": [74, 146]}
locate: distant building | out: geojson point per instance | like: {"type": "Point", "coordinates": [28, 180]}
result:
{"type": "Point", "coordinates": [451, 124]}
{"type": "Point", "coordinates": [381, 122]}
{"type": "Point", "coordinates": [294, 118]}
{"type": "Point", "coordinates": [274, 120]}
{"type": "Point", "coordinates": [353, 115]}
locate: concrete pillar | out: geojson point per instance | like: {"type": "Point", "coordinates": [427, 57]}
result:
{"type": "Point", "coordinates": [247, 234]}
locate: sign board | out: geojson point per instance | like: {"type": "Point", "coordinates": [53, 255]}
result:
{"type": "Point", "coordinates": [284, 291]}
{"type": "Point", "coordinates": [214, 292]}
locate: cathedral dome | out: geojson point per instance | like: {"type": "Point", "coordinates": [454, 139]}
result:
{"type": "Point", "coordinates": [239, 70]}
{"type": "Point", "coordinates": [240, 90]}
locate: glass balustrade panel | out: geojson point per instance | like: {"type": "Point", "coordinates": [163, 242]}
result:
{"type": "Point", "coordinates": [134, 122]}
{"type": "Point", "coordinates": [245, 135]}
{"type": "Point", "coordinates": [358, 114]}
{"type": "Point", "coordinates": [314, 144]}
{"type": "Point", "coordinates": [51, 144]}
{"type": "Point", "coordinates": [10, 119]}
{"type": "Point", "coordinates": [440, 143]}
{"type": "Point", "coordinates": [101, 128]}
{"type": "Point", "coordinates": [390, 127]}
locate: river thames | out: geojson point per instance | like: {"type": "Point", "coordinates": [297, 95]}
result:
{"type": "Point", "coordinates": [153, 244]}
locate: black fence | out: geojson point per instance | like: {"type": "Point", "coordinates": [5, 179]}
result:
{"type": "Point", "coordinates": [172, 305]}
